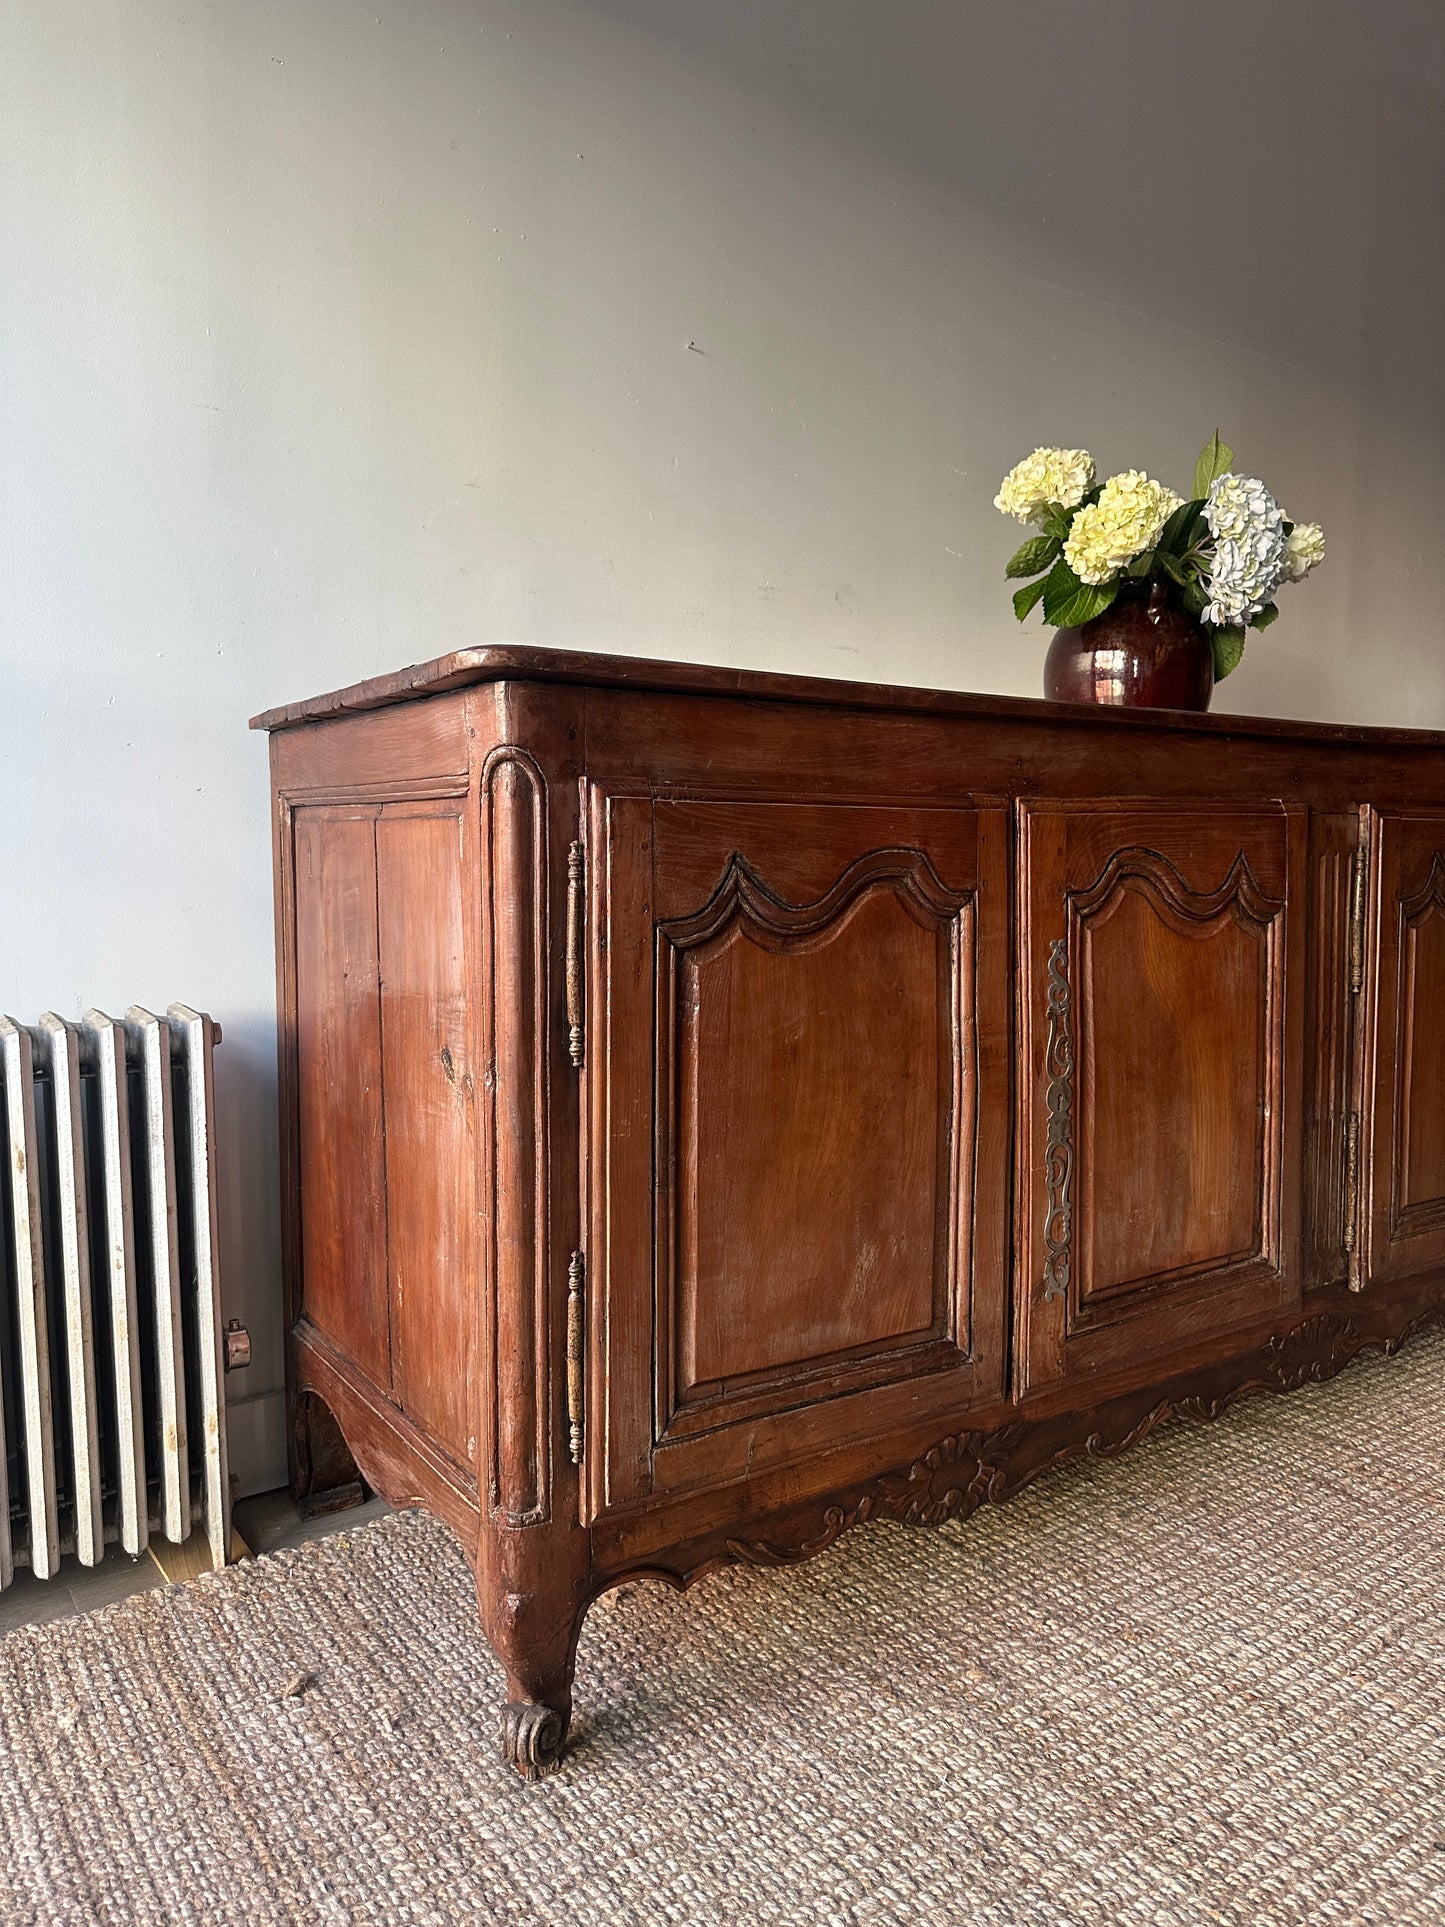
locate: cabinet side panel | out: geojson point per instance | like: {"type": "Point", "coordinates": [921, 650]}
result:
{"type": "Point", "coordinates": [338, 1038]}
{"type": "Point", "coordinates": [431, 1156]}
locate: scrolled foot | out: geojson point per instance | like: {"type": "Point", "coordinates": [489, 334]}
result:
{"type": "Point", "coordinates": [533, 1736]}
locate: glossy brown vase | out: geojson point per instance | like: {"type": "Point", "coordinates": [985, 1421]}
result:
{"type": "Point", "coordinates": [1141, 654]}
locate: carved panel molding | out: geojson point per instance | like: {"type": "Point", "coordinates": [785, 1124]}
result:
{"type": "Point", "coordinates": [1186, 910]}
{"type": "Point", "coordinates": [1430, 896]}
{"type": "Point", "coordinates": [770, 920]}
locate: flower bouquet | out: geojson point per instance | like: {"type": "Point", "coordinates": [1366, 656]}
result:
{"type": "Point", "coordinates": [1218, 559]}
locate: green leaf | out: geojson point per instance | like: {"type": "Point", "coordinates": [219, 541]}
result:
{"type": "Point", "coordinates": [1180, 531]}
{"type": "Point", "coordinates": [1035, 554]}
{"type": "Point", "coordinates": [1058, 583]}
{"type": "Point", "coordinates": [1268, 614]}
{"type": "Point", "coordinates": [1194, 599]}
{"type": "Point", "coordinates": [1059, 523]}
{"type": "Point", "coordinates": [1092, 600]}
{"type": "Point", "coordinates": [1068, 602]}
{"type": "Point", "coordinates": [1228, 648]}
{"type": "Point", "coordinates": [1216, 458]}
{"type": "Point", "coordinates": [1026, 597]}
{"type": "Point", "coordinates": [1173, 568]}
{"type": "Point", "coordinates": [1141, 565]}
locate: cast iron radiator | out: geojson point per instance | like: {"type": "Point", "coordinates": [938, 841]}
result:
{"type": "Point", "coordinates": [112, 1353]}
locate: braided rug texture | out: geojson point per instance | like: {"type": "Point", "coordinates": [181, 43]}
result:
{"type": "Point", "coordinates": [1201, 1683]}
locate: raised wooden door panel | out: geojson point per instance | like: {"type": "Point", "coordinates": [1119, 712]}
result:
{"type": "Point", "coordinates": [429, 1099]}
{"type": "Point", "coordinates": [338, 1071]}
{"type": "Point", "coordinates": [799, 1127]}
{"type": "Point", "coordinates": [1403, 1152]}
{"type": "Point", "coordinates": [386, 1103]}
{"type": "Point", "coordinates": [1161, 1039]}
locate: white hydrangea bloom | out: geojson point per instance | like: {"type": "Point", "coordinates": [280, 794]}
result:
{"type": "Point", "coordinates": [1250, 549]}
{"type": "Point", "coordinates": [1050, 478]}
{"type": "Point", "coordinates": [1126, 520]}
{"type": "Point", "coordinates": [1305, 550]}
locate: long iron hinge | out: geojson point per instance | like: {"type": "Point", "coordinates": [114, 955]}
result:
{"type": "Point", "coordinates": [1359, 908]}
{"type": "Point", "coordinates": [1352, 1180]}
{"type": "Point", "coordinates": [576, 961]}
{"type": "Point", "coordinates": [576, 1340]}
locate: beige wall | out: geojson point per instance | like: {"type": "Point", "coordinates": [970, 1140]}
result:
{"type": "Point", "coordinates": [333, 336]}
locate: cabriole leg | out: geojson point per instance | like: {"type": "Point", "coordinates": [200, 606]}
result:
{"type": "Point", "coordinates": [531, 1590]}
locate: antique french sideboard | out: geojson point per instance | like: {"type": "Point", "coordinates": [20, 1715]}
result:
{"type": "Point", "coordinates": [720, 1108]}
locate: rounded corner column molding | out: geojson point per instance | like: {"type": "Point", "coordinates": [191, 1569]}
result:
{"type": "Point", "coordinates": [722, 1109]}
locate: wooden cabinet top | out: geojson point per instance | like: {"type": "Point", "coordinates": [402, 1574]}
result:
{"type": "Point", "coordinates": [516, 663]}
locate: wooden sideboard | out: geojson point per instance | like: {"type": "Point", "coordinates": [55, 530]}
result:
{"type": "Point", "coordinates": [720, 1108]}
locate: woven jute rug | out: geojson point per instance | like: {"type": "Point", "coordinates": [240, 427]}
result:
{"type": "Point", "coordinates": [1202, 1683]}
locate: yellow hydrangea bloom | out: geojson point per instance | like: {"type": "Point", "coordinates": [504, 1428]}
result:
{"type": "Point", "coordinates": [1124, 522]}
{"type": "Point", "coordinates": [1050, 478]}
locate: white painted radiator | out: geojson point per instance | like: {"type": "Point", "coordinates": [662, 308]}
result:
{"type": "Point", "coordinates": [112, 1353]}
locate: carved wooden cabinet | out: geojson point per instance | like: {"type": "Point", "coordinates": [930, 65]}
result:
{"type": "Point", "coordinates": [721, 1108]}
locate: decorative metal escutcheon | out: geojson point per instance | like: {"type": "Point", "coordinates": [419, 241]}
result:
{"type": "Point", "coordinates": [1059, 1150]}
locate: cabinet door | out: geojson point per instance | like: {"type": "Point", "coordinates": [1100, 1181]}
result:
{"type": "Point", "coordinates": [1160, 1031]}
{"type": "Point", "coordinates": [798, 1086]}
{"type": "Point", "coordinates": [1404, 1132]}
